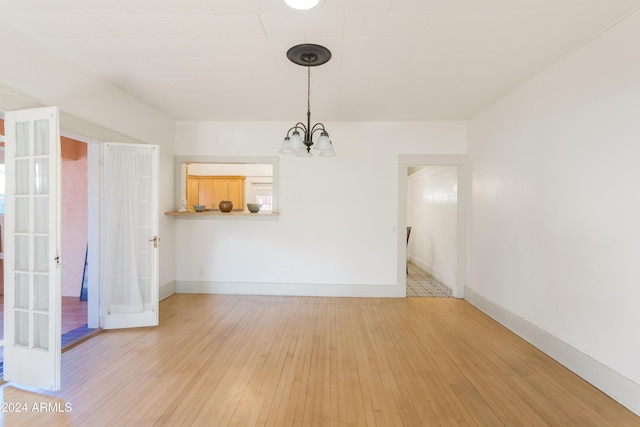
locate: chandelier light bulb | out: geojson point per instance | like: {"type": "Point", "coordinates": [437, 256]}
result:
{"type": "Point", "coordinates": [302, 4]}
{"type": "Point", "coordinates": [296, 142]}
{"type": "Point", "coordinates": [324, 143]}
{"type": "Point", "coordinates": [286, 147]}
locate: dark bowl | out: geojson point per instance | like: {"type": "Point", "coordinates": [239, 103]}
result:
{"type": "Point", "coordinates": [225, 206]}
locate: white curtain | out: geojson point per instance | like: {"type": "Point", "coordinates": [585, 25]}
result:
{"type": "Point", "coordinates": [125, 230]}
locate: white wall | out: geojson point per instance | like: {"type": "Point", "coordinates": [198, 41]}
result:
{"type": "Point", "coordinates": [432, 214]}
{"type": "Point", "coordinates": [91, 107]}
{"type": "Point", "coordinates": [555, 229]}
{"type": "Point", "coordinates": [336, 232]}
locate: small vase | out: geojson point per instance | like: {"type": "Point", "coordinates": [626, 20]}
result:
{"type": "Point", "coordinates": [225, 206]}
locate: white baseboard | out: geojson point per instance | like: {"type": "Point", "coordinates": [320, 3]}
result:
{"type": "Point", "coordinates": [617, 386]}
{"type": "Point", "coordinates": [292, 289]}
{"type": "Point", "coordinates": [167, 290]}
{"type": "Point", "coordinates": [445, 279]}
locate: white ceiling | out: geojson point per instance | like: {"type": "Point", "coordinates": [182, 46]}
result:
{"type": "Point", "coordinates": [392, 59]}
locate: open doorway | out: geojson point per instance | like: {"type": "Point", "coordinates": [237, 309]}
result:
{"type": "Point", "coordinates": [432, 198]}
{"type": "Point", "coordinates": [75, 238]}
{"type": "Point", "coordinates": [449, 181]}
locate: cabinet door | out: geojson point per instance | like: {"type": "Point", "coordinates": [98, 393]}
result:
{"type": "Point", "coordinates": [193, 196]}
{"type": "Point", "coordinates": [220, 189]}
{"type": "Point", "coordinates": [206, 193]}
{"type": "Point", "coordinates": [236, 193]}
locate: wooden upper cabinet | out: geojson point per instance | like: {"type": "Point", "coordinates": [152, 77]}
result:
{"type": "Point", "coordinates": [205, 193]}
{"type": "Point", "coordinates": [211, 190]}
{"type": "Point", "coordinates": [193, 191]}
{"type": "Point", "coordinates": [220, 191]}
{"type": "Point", "coordinates": [236, 193]}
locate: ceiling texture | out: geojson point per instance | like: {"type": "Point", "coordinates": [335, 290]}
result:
{"type": "Point", "coordinates": [225, 60]}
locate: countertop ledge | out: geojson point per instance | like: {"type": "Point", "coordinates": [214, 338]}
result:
{"type": "Point", "coordinates": [223, 214]}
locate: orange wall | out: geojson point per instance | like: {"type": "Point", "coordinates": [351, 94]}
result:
{"type": "Point", "coordinates": [74, 216]}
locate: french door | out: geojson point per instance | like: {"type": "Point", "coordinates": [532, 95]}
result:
{"type": "Point", "coordinates": [128, 243]}
{"type": "Point", "coordinates": [32, 305]}
{"type": "Point", "coordinates": [129, 236]}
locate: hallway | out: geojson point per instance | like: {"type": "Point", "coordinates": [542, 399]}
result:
{"type": "Point", "coordinates": [422, 284]}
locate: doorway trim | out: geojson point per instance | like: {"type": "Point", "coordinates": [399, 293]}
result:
{"type": "Point", "coordinates": [459, 160]}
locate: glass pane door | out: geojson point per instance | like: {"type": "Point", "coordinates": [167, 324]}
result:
{"type": "Point", "coordinates": [32, 285]}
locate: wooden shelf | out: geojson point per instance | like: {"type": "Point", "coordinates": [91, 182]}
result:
{"type": "Point", "coordinates": [222, 214]}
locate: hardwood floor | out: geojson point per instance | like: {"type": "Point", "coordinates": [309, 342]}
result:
{"type": "Point", "coordinates": [218, 360]}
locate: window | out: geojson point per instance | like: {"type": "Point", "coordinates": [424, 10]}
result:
{"type": "Point", "coordinates": [263, 194]}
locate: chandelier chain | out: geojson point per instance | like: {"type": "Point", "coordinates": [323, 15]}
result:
{"type": "Point", "coordinates": [308, 88]}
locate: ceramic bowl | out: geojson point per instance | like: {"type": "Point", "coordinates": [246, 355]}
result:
{"type": "Point", "coordinates": [199, 208]}
{"type": "Point", "coordinates": [254, 207]}
{"type": "Point", "coordinates": [225, 206]}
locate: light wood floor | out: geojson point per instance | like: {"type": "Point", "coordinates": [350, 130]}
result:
{"type": "Point", "coordinates": [219, 360]}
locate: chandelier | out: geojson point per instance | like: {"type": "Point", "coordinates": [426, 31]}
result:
{"type": "Point", "coordinates": [299, 138]}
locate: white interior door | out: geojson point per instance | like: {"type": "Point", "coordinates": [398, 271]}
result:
{"type": "Point", "coordinates": [32, 305]}
{"type": "Point", "coordinates": [129, 236]}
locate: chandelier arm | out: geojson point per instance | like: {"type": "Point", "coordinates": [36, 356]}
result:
{"type": "Point", "coordinates": [314, 130]}
{"type": "Point", "coordinates": [298, 126]}
{"type": "Point", "coordinates": [316, 127]}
